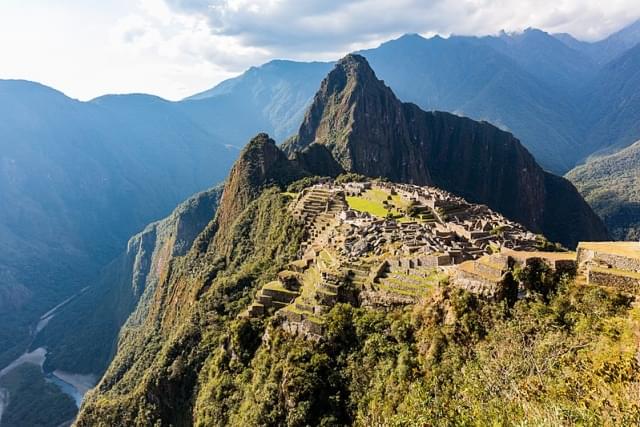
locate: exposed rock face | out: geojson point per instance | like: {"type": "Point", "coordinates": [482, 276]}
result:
{"type": "Point", "coordinates": [317, 160]}
{"type": "Point", "coordinates": [363, 124]}
{"type": "Point", "coordinates": [369, 131]}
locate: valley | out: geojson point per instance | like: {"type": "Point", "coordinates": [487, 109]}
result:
{"type": "Point", "coordinates": [73, 385]}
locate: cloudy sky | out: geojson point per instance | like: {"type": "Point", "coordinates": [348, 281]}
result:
{"type": "Point", "coordinates": [174, 48]}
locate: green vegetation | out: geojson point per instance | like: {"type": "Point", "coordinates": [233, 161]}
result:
{"type": "Point", "coordinates": [452, 360]}
{"type": "Point", "coordinates": [544, 245]}
{"type": "Point", "coordinates": [351, 177]}
{"type": "Point", "coordinates": [164, 345]}
{"type": "Point", "coordinates": [34, 402]}
{"type": "Point", "coordinates": [381, 204]}
{"type": "Point", "coordinates": [371, 207]}
{"type": "Point", "coordinates": [301, 184]}
{"type": "Point", "coordinates": [611, 185]}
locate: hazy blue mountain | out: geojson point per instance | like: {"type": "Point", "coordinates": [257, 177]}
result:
{"type": "Point", "coordinates": [77, 179]}
{"type": "Point", "coordinates": [475, 80]}
{"type": "Point", "coordinates": [545, 57]}
{"type": "Point", "coordinates": [100, 312]}
{"type": "Point", "coordinates": [270, 98]}
{"type": "Point", "coordinates": [613, 104]}
{"type": "Point", "coordinates": [605, 50]}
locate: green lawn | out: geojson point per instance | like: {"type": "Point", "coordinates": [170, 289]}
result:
{"type": "Point", "coordinates": [372, 200]}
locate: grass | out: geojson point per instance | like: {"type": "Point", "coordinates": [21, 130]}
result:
{"type": "Point", "coordinates": [327, 257]}
{"type": "Point", "coordinates": [371, 207]}
{"type": "Point", "coordinates": [372, 202]}
{"type": "Point", "coordinates": [277, 286]}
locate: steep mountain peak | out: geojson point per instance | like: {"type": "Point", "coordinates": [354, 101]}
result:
{"type": "Point", "coordinates": [410, 38]}
{"type": "Point", "coordinates": [260, 164]}
{"type": "Point", "coordinates": [356, 117]}
{"type": "Point", "coordinates": [348, 72]}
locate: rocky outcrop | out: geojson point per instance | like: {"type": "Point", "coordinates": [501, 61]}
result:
{"type": "Point", "coordinates": [369, 131]}
{"type": "Point", "coordinates": [260, 165]}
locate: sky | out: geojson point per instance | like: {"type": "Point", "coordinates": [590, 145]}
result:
{"type": "Point", "coordinates": [175, 48]}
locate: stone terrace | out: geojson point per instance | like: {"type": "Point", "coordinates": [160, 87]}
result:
{"type": "Point", "coordinates": [611, 264]}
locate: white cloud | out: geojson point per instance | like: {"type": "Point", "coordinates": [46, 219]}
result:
{"type": "Point", "coordinates": [174, 48]}
{"type": "Point", "coordinates": [234, 34]}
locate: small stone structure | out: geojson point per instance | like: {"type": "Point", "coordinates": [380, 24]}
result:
{"type": "Point", "coordinates": [611, 264]}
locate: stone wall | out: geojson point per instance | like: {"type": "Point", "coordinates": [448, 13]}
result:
{"type": "Point", "coordinates": [478, 285]}
{"type": "Point", "coordinates": [601, 256]}
{"type": "Point", "coordinates": [611, 279]}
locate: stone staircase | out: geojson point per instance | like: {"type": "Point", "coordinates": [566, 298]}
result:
{"type": "Point", "coordinates": [318, 209]}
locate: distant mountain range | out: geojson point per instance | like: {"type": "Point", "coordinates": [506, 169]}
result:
{"type": "Point", "coordinates": [605, 50]}
{"type": "Point", "coordinates": [77, 179]}
{"type": "Point", "coordinates": [554, 93]}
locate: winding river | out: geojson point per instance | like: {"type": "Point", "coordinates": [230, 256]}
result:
{"type": "Point", "coordinates": [74, 385]}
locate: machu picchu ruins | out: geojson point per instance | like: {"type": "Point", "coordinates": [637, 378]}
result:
{"type": "Point", "coordinates": [394, 243]}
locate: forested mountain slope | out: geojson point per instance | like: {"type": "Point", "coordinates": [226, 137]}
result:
{"type": "Point", "coordinates": [611, 184]}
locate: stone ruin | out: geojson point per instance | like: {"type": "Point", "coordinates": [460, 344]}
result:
{"type": "Point", "coordinates": [610, 264]}
{"type": "Point", "coordinates": [396, 259]}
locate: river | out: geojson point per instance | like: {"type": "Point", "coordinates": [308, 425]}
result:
{"type": "Point", "coordinates": [74, 385]}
